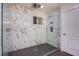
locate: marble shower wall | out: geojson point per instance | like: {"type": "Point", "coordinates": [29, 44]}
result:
{"type": "Point", "coordinates": [19, 31]}
{"type": "Point", "coordinates": [53, 37]}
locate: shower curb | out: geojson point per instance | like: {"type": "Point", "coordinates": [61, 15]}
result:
{"type": "Point", "coordinates": [52, 51]}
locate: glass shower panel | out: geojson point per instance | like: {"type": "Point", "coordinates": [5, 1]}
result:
{"type": "Point", "coordinates": [0, 31]}
{"type": "Point", "coordinates": [6, 30]}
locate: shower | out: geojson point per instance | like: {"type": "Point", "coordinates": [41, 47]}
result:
{"type": "Point", "coordinates": [34, 32]}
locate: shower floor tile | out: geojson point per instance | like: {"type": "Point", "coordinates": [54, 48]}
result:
{"type": "Point", "coordinates": [38, 50]}
{"type": "Point", "coordinates": [60, 53]}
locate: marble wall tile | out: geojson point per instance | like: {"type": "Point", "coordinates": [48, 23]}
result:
{"type": "Point", "coordinates": [19, 30]}
{"type": "Point", "coordinates": [53, 37]}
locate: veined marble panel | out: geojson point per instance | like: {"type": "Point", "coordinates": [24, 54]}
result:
{"type": "Point", "coordinates": [53, 38]}
{"type": "Point", "coordinates": [19, 30]}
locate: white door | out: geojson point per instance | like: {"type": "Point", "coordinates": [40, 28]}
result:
{"type": "Point", "coordinates": [70, 31]}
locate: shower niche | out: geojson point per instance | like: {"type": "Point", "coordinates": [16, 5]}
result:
{"type": "Point", "coordinates": [37, 20]}
{"type": "Point", "coordinates": [51, 23]}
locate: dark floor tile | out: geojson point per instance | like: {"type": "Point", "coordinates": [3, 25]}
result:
{"type": "Point", "coordinates": [38, 50]}
{"type": "Point", "coordinates": [60, 53]}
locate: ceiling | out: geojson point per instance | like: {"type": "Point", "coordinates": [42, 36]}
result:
{"type": "Point", "coordinates": [47, 6]}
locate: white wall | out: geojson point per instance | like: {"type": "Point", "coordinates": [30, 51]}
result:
{"type": "Point", "coordinates": [19, 30]}
{"type": "Point", "coordinates": [70, 26]}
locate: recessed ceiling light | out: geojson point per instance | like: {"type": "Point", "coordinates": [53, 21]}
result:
{"type": "Point", "coordinates": [41, 6]}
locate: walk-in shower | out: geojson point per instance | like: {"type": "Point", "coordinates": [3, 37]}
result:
{"type": "Point", "coordinates": [29, 31]}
